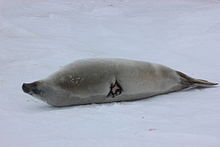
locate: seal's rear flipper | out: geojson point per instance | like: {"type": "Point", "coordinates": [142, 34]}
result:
{"type": "Point", "coordinates": [189, 81]}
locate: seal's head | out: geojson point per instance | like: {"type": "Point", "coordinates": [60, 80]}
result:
{"type": "Point", "coordinates": [47, 91]}
{"type": "Point", "coordinates": [35, 89]}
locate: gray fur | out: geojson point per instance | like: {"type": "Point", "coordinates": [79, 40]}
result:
{"type": "Point", "coordinates": [88, 81]}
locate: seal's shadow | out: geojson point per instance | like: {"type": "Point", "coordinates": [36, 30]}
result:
{"type": "Point", "coordinates": [46, 107]}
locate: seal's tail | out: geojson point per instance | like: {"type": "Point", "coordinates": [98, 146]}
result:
{"type": "Point", "coordinates": [195, 82]}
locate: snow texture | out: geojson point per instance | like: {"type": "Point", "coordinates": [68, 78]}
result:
{"type": "Point", "coordinates": [38, 37]}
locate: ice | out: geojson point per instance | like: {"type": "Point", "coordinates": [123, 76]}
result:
{"type": "Point", "coordinates": [38, 37]}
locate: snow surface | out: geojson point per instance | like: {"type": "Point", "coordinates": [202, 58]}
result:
{"type": "Point", "coordinates": [37, 37]}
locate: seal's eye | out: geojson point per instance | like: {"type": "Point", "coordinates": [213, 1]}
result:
{"type": "Point", "coordinates": [36, 91]}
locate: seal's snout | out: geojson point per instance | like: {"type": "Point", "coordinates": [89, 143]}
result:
{"type": "Point", "coordinates": [31, 88]}
{"type": "Point", "coordinates": [26, 88]}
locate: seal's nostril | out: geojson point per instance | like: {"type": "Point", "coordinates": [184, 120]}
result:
{"type": "Point", "coordinates": [25, 88]}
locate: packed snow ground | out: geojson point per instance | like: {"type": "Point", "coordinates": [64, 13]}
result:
{"type": "Point", "coordinates": [37, 37]}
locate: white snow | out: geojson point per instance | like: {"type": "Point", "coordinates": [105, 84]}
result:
{"type": "Point", "coordinates": [37, 37]}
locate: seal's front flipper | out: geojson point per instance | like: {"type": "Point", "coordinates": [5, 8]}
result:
{"type": "Point", "coordinates": [115, 89]}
